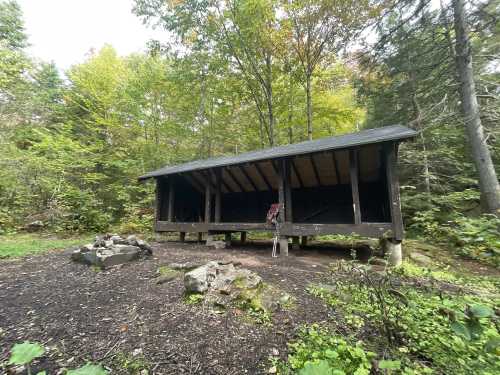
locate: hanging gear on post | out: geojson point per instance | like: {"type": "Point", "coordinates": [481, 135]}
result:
{"type": "Point", "coordinates": [273, 218]}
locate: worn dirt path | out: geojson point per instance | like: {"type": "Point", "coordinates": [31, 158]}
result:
{"type": "Point", "coordinates": [82, 315]}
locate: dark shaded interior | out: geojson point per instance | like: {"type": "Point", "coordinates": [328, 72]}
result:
{"type": "Point", "coordinates": [250, 207]}
{"type": "Point", "coordinates": [189, 203]}
{"type": "Point", "coordinates": [323, 205]}
{"type": "Point", "coordinates": [329, 203]}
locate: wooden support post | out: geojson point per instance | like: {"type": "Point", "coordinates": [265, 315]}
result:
{"type": "Point", "coordinates": [303, 241]}
{"type": "Point", "coordinates": [288, 191]}
{"type": "Point", "coordinates": [243, 237]}
{"type": "Point", "coordinates": [208, 200]}
{"type": "Point", "coordinates": [158, 199]}
{"type": "Point", "coordinates": [295, 243]}
{"type": "Point", "coordinates": [182, 236]}
{"type": "Point", "coordinates": [281, 190]}
{"type": "Point", "coordinates": [228, 239]}
{"type": "Point", "coordinates": [353, 170]}
{"type": "Point", "coordinates": [218, 179]}
{"type": "Point", "coordinates": [283, 245]}
{"type": "Point", "coordinates": [171, 199]}
{"type": "Point", "coordinates": [283, 240]}
{"type": "Point", "coordinates": [200, 236]}
{"type": "Point", "coordinates": [393, 185]}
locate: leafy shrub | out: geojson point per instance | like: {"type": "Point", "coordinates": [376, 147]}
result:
{"type": "Point", "coordinates": [424, 325]}
{"type": "Point", "coordinates": [318, 352]}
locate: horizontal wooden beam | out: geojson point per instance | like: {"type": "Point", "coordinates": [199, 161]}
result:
{"type": "Point", "coordinates": [374, 230]}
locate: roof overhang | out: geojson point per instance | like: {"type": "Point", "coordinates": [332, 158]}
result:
{"type": "Point", "coordinates": [365, 137]}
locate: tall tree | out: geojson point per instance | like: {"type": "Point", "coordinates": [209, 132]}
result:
{"type": "Point", "coordinates": [488, 181]}
{"type": "Point", "coordinates": [322, 29]}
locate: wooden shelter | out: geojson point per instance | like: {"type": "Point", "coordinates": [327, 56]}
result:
{"type": "Point", "coordinates": [337, 185]}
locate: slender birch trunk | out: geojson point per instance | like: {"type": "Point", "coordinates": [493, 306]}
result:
{"type": "Point", "coordinates": [488, 181]}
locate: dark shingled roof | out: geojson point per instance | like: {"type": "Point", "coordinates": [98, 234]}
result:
{"type": "Point", "coordinates": [364, 137]}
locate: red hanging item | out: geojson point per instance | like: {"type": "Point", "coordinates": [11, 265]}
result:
{"type": "Point", "coordinates": [272, 214]}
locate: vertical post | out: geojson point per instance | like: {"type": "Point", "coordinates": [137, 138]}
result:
{"type": "Point", "coordinates": [295, 243]}
{"type": "Point", "coordinates": [182, 236]}
{"type": "Point", "coordinates": [228, 238]}
{"type": "Point", "coordinates": [303, 241]}
{"type": "Point", "coordinates": [283, 240]}
{"type": "Point", "coordinates": [200, 236]}
{"type": "Point", "coordinates": [288, 191]}
{"type": "Point", "coordinates": [218, 179]}
{"type": "Point", "coordinates": [354, 173]}
{"type": "Point", "coordinates": [171, 199]}
{"type": "Point", "coordinates": [158, 200]}
{"type": "Point", "coordinates": [281, 190]}
{"type": "Point", "coordinates": [208, 199]}
{"type": "Point", "coordinates": [393, 185]}
{"type": "Point", "coordinates": [243, 237]}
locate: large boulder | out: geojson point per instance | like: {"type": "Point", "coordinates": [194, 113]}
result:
{"type": "Point", "coordinates": [220, 278]}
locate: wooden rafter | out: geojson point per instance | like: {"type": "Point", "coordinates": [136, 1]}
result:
{"type": "Point", "coordinates": [242, 169]}
{"type": "Point", "coordinates": [296, 171]}
{"type": "Point", "coordinates": [235, 180]}
{"type": "Point", "coordinates": [336, 166]}
{"type": "Point", "coordinates": [315, 169]}
{"type": "Point", "coordinates": [263, 176]}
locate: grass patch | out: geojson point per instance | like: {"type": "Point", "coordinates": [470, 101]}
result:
{"type": "Point", "coordinates": [27, 244]}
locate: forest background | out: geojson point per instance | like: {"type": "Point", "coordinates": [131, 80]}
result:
{"type": "Point", "coordinates": [240, 75]}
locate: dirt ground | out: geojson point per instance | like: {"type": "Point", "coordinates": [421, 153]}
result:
{"type": "Point", "coordinates": [82, 315]}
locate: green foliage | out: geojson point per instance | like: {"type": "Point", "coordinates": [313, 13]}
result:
{"type": "Point", "coordinates": [317, 351]}
{"type": "Point", "coordinates": [194, 298]}
{"type": "Point", "coordinates": [428, 329]}
{"type": "Point", "coordinates": [88, 369]}
{"type": "Point", "coordinates": [132, 364]}
{"type": "Point", "coordinates": [25, 353]}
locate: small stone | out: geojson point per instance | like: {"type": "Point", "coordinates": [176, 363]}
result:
{"type": "Point", "coordinates": [272, 370]}
{"type": "Point", "coordinates": [136, 352]}
{"type": "Point", "coordinates": [187, 266]}
{"type": "Point", "coordinates": [378, 262]}
{"type": "Point", "coordinates": [116, 239]}
{"type": "Point", "coordinates": [421, 258]}
{"type": "Point", "coordinates": [132, 240]}
{"type": "Point", "coordinates": [218, 244]}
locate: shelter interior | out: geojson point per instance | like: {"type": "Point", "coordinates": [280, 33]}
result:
{"type": "Point", "coordinates": [318, 189]}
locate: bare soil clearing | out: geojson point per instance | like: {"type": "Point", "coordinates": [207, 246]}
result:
{"type": "Point", "coordinates": [81, 314]}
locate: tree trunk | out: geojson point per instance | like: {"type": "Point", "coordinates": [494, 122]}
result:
{"type": "Point", "coordinates": [309, 105]}
{"type": "Point", "coordinates": [488, 182]}
{"type": "Point", "coordinates": [269, 99]}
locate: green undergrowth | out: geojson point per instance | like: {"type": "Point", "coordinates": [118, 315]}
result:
{"type": "Point", "coordinates": [131, 364]}
{"type": "Point", "coordinates": [27, 244]}
{"type": "Point", "coordinates": [407, 321]}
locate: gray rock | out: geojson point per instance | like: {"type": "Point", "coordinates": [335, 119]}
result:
{"type": "Point", "coordinates": [117, 254]}
{"type": "Point", "coordinates": [132, 240]}
{"type": "Point", "coordinates": [421, 258]}
{"type": "Point", "coordinates": [145, 246]}
{"type": "Point", "coordinates": [197, 280]}
{"type": "Point", "coordinates": [222, 278]}
{"type": "Point", "coordinates": [116, 239]}
{"type": "Point", "coordinates": [217, 244]}
{"type": "Point", "coordinates": [378, 261]}
{"type": "Point", "coordinates": [188, 266]}
{"type": "Point", "coordinates": [34, 226]}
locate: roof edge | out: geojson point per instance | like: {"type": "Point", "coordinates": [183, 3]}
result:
{"type": "Point", "coordinates": [405, 133]}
